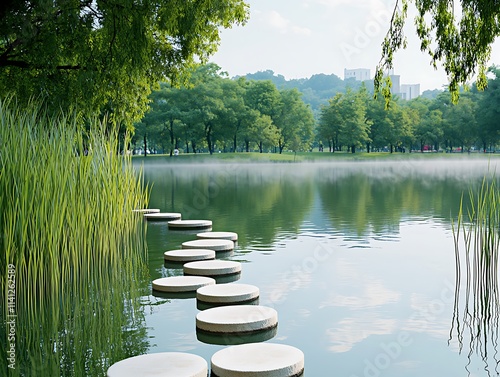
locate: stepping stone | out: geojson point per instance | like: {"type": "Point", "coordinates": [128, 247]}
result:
{"type": "Point", "coordinates": [188, 255]}
{"type": "Point", "coordinates": [258, 360]}
{"type": "Point", "coordinates": [181, 283]}
{"type": "Point", "coordinates": [162, 364]}
{"type": "Point", "coordinates": [237, 319]}
{"type": "Point", "coordinates": [236, 338]}
{"type": "Point", "coordinates": [162, 216]}
{"type": "Point", "coordinates": [174, 295]}
{"type": "Point", "coordinates": [212, 268]}
{"type": "Point", "coordinates": [146, 210]}
{"type": "Point", "coordinates": [227, 293]}
{"type": "Point", "coordinates": [217, 245]}
{"type": "Point", "coordinates": [218, 235]}
{"type": "Point", "coordinates": [189, 224]}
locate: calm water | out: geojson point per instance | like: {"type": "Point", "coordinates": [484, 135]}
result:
{"type": "Point", "coordinates": [357, 258]}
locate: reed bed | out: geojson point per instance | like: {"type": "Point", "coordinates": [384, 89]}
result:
{"type": "Point", "coordinates": [477, 301]}
{"type": "Point", "coordinates": [75, 245]}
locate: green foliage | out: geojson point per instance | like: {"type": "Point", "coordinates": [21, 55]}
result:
{"type": "Point", "coordinates": [213, 111]}
{"type": "Point", "coordinates": [78, 251]}
{"type": "Point", "coordinates": [316, 90]}
{"type": "Point", "coordinates": [104, 56]}
{"type": "Point", "coordinates": [477, 245]}
{"type": "Point", "coordinates": [461, 43]}
{"type": "Point", "coordinates": [345, 120]}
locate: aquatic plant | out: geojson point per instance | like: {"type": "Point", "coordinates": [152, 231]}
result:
{"type": "Point", "coordinates": [72, 251]}
{"type": "Point", "coordinates": [477, 301]}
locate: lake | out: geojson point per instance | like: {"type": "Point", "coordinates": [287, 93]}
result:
{"type": "Point", "coordinates": [358, 259]}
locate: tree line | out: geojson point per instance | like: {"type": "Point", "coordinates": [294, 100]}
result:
{"type": "Point", "coordinates": [213, 112]}
{"type": "Point", "coordinates": [354, 120]}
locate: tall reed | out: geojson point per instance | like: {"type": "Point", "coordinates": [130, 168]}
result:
{"type": "Point", "coordinates": [477, 300]}
{"type": "Point", "coordinates": [77, 248]}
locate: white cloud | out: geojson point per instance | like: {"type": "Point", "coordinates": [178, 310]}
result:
{"type": "Point", "coordinates": [351, 331]}
{"type": "Point", "coordinates": [374, 294]}
{"type": "Point", "coordinates": [276, 21]}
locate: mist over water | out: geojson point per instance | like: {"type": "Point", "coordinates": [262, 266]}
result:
{"type": "Point", "coordinates": [458, 168]}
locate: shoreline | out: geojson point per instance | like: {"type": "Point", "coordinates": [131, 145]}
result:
{"type": "Point", "coordinates": [307, 157]}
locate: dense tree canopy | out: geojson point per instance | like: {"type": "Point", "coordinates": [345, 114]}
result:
{"type": "Point", "coordinates": [214, 112]}
{"type": "Point", "coordinates": [458, 34]}
{"type": "Point", "coordinates": [105, 55]}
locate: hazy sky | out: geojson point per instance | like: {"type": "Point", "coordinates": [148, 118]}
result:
{"type": "Point", "coordinates": [299, 38]}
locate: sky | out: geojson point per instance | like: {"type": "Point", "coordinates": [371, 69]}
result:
{"type": "Point", "coordinates": [300, 38]}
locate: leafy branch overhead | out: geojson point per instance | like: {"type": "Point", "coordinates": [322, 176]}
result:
{"type": "Point", "coordinates": [105, 55]}
{"type": "Point", "coordinates": [457, 34]}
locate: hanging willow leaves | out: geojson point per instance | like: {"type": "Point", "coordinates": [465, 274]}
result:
{"type": "Point", "coordinates": [457, 34]}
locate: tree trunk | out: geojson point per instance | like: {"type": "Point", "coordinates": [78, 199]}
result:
{"type": "Point", "coordinates": [187, 147]}
{"type": "Point", "coordinates": [208, 133]}
{"type": "Point", "coordinates": [392, 148]}
{"type": "Point", "coordinates": [234, 144]}
{"type": "Point", "coordinates": [171, 132]}
{"type": "Point", "coordinates": [260, 146]}
{"type": "Point", "coordinates": [367, 147]}
{"type": "Point", "coordinates": [247, 145]}
{"type": "Point", "coordinates": [353, 149]}
{"type": "Point", "coordinates": [145, 146]}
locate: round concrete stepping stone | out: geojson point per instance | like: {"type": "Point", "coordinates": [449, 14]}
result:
{"type": "Point", "coordinates": [188, 255]}
{"type": "Point", "coordinates": [227, 293]}
{"type": "Point", "coordinates": [181, 283]}
{"type": "Point", "coordinates": [162, 364]}
{"type": "Point", "coordinates": [146, 210]}
{"type": "Point", "coordinates": [217, 245]}
{"type": "Point", "coordinates": [190, 224]}
{"type": "Point", "coordinates": [218, 235]}
{"type": "Point", "coordinates": [162, 216]}
{"type": "Point", "coordinates": [237, 319]}
{"type": "Point", "coordinates": [174, 295]}
{"type": "Point", "coordinates": [212, 268]}
{"type": "Point", "coordinates": [258, 360]}
{"type": "Point", "coordinates": [236, 338]}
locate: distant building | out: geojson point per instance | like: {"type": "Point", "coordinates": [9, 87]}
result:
{"type": "Point", "coordinates": [405, 91]}
{"type": "Point", "coordinates": [359, 74]}
{"type": "Point", "coordinates": [396, 84]}
{"type": "Point", "coordinates": [410, 91]}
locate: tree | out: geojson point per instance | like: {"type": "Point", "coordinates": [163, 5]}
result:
{"type": "Point", "coordinates": [428, 131]}
{"type": "Point", "coordinates": [381, 124]}
{"type": "Point", "coordinates": [295, 122]}
{"type": "Point", "coordinates": [104, 56]}
{"type": "Point", "coordinates": [330, 122]}
{"type": "Point", "coordinates": [462, 44]}
{"type": "Point", "coordinates": [235, 113]}
{"type": "Point", "coordinates": [355, 125]}
{"type": "Point", "coordinates": [166, 112]}
{"type": "Point", "coordinates": [489, 111]}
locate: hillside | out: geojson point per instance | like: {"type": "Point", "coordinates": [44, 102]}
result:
{"type": "Point", "coordinates": [319, 88]}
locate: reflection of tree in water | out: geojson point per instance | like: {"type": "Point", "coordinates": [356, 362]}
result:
{"type": "Point", "coordinates": [360, 201]}
{"type": "Point", "coordinates": [477, 306]}
{"type": "Point", "coordinates": [265, 199]}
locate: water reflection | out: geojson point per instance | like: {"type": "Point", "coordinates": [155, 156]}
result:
{"type": "Point", "coordinates": [358, 198]}
{"type": "Point", "coordinates": [355, 257]}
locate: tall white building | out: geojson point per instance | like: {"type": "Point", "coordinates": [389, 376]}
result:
{"type": "Point", "coordinates": [396, 84]}
{"type": "Point", "coordinates": [410, 91]}
{"type": "Point", "coordinates": [359, 74]}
